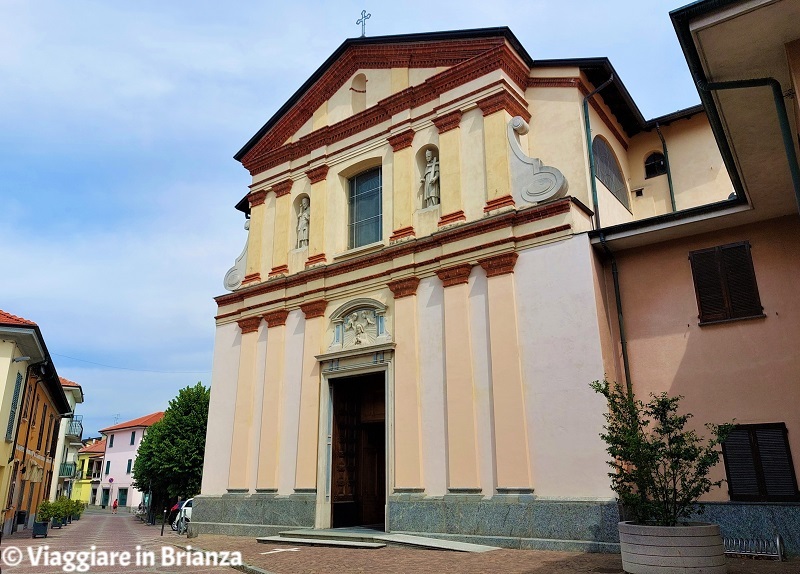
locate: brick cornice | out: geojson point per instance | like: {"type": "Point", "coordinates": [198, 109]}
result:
{"type": "Point", "coordinates": [401, 140]}
{"type": "Point", "coordinates": [499, 203]}
{"type": "Point", "coordinates": [465, 61]}
{"type": "Point", "coordinates": [257, 197]}
{"type": "Point", "coordinates": [276, 318]}
{"type": "Point", "coordinates": [283, 188]}
{"type": "Point", "coordinates": [251, 278]}
{"type": "Point", "coordinates": [451, 218]}
{"type": "Point", "coordinates": [249, 324]}
{"type": "Point", "coordinates": [327, 273]}
{"type": "Point", "coordinates": [455, 275]}
{"type": "Point", "coordinates": [314, 309]}
{"type": "Point", "coordinates": [317, 174]}
{"type": "Point", "coordinates": [405, 287]}
{"type": "Point", "coordinates": [448, 122]}
{"type": "Point", "coordinates": [504, 101]}
{"type": "Point", "coordinates": [402, 233]}
{"type": "Point", "coordinates": [499, 264]}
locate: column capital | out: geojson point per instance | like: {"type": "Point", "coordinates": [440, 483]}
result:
{"type": "Point", "coordinates": [499, 264]}
{"type": "Point", "coordinates": [257, 197]}
{"type": "Point", "coordinates": [504, 101]}
{"type": "Point", "coordinates": [404, 287]}
{"type": "Point", "coordinates": [455, 275]}
{"type": "Point", "coordinates": [276, 318]}
{"type": "Point", "coordinates": [401, 140]}
{"type": "Point", "coordinates": [282, 188]}
{"type": "Point", "coordinates": [317, 174]}
{"type": "Point", "coordinates": [448, 122]}
{"type": "Point", "coordinates": [314, 309]}
{"type": "Point", "coordinates": [249, 324]}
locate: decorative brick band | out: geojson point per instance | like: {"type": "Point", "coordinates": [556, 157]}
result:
{"type": "Point", "coordinates": [249, 325]}
{"type": "Point", "coordinates": [401, 140]}
{"type": "Point", "coordinates": [504, 101]}
{"type": "Point", "coordinates": [316, 259]}
{"type": "Point", "coordinates": [404, 287]}
{"type": "Point", "coordinates": [451, 218]}
{"type": "Point", "coordinates": [257, 197]}
{"type": "Point", "coordinates": [499, 264]}
{"type": "Point", "coordinates": [279, 270]}
{"type": "Point", "coordinates": [314, 309]}
{"type": "Point", "coordinates": [448, 122]}
{"type": "Point", "coordinates": [455, 275]}
{"type": "Point", "coordinates": [402, 233]}
{"type": "Point", "coordinates": [282, 188]}
{"type": "Point", "coordinates": [276, 318]}
{"type": "Point", "coordinates": [499, 203]}
{"type": "Point", "coordinates": [318, 174]}
{"type": "Point", "coordinates": [251, 278]}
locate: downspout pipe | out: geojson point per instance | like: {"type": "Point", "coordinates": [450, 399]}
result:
{"type": "Point", "coordinates": [666, 164]}
{"type": "Point", "coordinates": [783, 118]}
{"type": "Point", "coordinates": [614, 270]}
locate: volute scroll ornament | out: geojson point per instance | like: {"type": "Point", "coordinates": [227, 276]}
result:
{"type": "Point", "coordinates": [531, 180]}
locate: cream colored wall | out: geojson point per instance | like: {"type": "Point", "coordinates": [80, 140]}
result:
{"type": "Point", "coordinates": [699, 176]}
{"type": "Point", "coordinates": [8, 350]}
{"type": "Point", "coordinates": [745, 371]}
{"type": "Point", "coordinates": [290, 407]}
{"type": "Point", "coordinates": [561, 354]}
{"type": "Point", "coordinates": [225, 372]}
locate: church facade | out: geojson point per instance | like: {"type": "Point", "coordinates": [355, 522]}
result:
{"type": "Point", "coordinates": [424, 297]}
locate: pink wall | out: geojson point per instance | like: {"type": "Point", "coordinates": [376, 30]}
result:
{"type": "Point", "coordinates": [745, 370]}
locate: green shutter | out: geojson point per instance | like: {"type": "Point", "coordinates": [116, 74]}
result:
{"type": "Point", "coordinates": [14, 401]}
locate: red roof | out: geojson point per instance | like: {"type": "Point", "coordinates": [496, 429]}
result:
{"type": "Point", "coordinates": [144, 421]}
{"type": "Point", "coordinates": [98, 447]}
{"type": "Point", "coordinates": [9, 319]}
{"type": "Point", "coordinates": [68, 383]}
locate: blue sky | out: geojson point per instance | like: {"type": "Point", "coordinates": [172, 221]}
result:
{"type": "Point", "coordinates": [118, 123]}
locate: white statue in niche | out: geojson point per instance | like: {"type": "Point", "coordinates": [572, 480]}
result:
{"type": "Point", "coordinates": [430, 194]}
{"type": "Point", "coordinates": [357, 322]}
{"type": "Point", "coordinates": [303, 222]}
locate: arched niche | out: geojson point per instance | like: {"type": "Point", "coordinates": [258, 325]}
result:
{"type": "Point", "coordinates": [297, 210]}
{"type": "Point", "coordinates": [358, 93]}
{"type": "Point", "coordinates": [359, 323]}
{"type": "Point", "coordinates": [421, 163]}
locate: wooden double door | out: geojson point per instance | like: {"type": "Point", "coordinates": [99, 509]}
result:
{"type": "Point", "coordinates": [358, 477]}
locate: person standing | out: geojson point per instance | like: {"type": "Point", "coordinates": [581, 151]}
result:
{"type": "Point", "coordinates": [114, 506]}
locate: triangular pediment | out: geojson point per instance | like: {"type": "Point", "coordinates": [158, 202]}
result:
{"type": "Point", "coordinates": [435, 62]}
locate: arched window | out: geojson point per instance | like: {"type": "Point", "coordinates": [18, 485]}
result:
{"type": "Point", "coordinates": [607, 170]}
{"type": "Point", "coordinates": [358, 93]}
{"type": "Point", "coordinates": [654, 165]}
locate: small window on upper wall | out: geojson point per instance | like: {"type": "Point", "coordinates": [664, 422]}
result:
{"type": "Point", "coordinates": [111, 441]}
{"type": "Point", "coordinates": [607, 170]}
{"type": "Point", "coordinates": [758, 464]}
{"type": "Point", "coordinates": [133, 437]}
{"type": "Point", "coordinates": [725, 283]}
{"type": "Point", "coordinates": [654, 165]}
{"type": "Point", "coordinates": [366, 209]}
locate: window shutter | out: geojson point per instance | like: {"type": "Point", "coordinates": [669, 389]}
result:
{"type": "Point", "coordinates": [776, 462]}
{"type": "Point", "coordinates": [708, 286]}
{"type": "Point", "coordinates": [740, 465]}
{"type": "Point", "coordinates": [740, 278]}
{"type": "Point", "coordinates": [14, 401]}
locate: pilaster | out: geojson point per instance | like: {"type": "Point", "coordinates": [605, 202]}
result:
{"type": "Point", "coordinates": [402, 184]}
{"type": "Point", "coordinates": [316, 235]}
{"type": "Point", "coordinates": [511, 437]}
{"type": "Point", "coordinates": [280, 249]}
{"type": "Point", "coordinates": [255, 237]}
{"type": "Point", "coordinates": [462, 443]}
{"type": "Point", "coordinates": [450, 168]}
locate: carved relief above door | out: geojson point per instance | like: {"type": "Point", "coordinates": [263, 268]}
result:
{"type": "Point", "coordinates": [359, 324]}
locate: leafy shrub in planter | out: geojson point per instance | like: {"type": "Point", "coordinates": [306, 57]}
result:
{"type": "Point", "coordinates": [660, 468]}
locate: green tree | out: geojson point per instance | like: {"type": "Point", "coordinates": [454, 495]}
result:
{"type": "Point", "coordinates": [170, 458]}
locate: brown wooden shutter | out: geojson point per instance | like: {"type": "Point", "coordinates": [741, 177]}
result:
{"type": "Point", "coordinates": [740, 279]}
{"type": "Point", "coordinates": [708, 285]}
{"type": "Point", "coordinates": [776, 462]}
{"type": "Point", "coordinates": [740, 465]}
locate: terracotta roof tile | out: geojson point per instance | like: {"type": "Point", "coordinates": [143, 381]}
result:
{"type": "Point", "coordinates": [9, 319]}
{"type": "Point", "coordinates": [144, 421]}
{"type": "Point", "coordinates": [98, 447]}
{"type": "Point", "coordinates": [68, 383]}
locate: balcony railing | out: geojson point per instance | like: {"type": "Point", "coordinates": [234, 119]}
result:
{"type": "Point", "coordinates": [67, 469]}
{"type": "Point", "coordinates": [75, 427]}
{"type": "Point", "coordinates": [95, 476]}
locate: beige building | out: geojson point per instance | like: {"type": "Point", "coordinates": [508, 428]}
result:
{"type": "Point", "coordinates": [424, 295]}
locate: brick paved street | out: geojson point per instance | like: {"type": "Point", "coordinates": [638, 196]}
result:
{"type": "Point", "coordinates": [124, 532]}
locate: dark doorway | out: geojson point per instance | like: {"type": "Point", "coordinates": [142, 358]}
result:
{"type": "Point", "coordinates": [358, 481]}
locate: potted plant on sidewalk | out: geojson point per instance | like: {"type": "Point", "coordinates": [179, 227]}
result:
{"type": "Point", "coordinates": [43, 516]}
{"type": "Point", "coordinates": [57, 513]}
{"type": "Point", "coordinates": [660, 470]}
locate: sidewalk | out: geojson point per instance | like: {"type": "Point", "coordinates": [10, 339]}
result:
{"type": "Point", "coordinates": [288, 559]}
